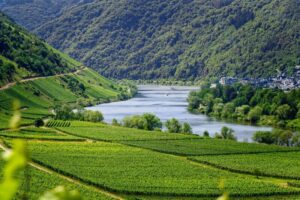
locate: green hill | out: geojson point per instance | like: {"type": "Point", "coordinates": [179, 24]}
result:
{"type": "Point", "coordinates": [183, 39]}
{"type": "Point", "coordinates": [23, 55]}
{"type": "Point", "coordinates": [40, 77]}
{"type": "Point", "coordinates": [33, 13]}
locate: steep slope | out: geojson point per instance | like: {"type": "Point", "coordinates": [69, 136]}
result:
{"type": "Point", "coordinates": [34, 13]}
{"type": "Point", "coordinates": [45, 77]}
{"type": "Point", "coordinates": [24, 55]}
{"type": "Point", "coordinates": [183, 39]}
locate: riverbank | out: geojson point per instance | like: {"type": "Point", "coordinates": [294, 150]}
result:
{"type": "Point", "coordinates": [246, 104]}
{"type": "Point", "coordinates": [168, 102]}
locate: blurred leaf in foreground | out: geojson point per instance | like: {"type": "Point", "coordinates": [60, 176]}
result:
{"type": "Point", "coordinates": [60, 193]}
{"type": "Point", "coordinates": [16, 118]}
{"type": "Point", "coordinates": [16, 160]}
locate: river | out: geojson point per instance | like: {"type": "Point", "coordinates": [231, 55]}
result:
{"type": "Point", "coordinates": [170, 101]}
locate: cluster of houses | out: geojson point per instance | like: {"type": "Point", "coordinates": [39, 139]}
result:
{"type": "Point", "coordinates": [281, 81]}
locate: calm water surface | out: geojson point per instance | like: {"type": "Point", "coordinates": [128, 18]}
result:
{"type": "Point", "coordinates": [167, 102]}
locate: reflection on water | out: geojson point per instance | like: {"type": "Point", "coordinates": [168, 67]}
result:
{"type": "Point", "coordinates": [167, 102]}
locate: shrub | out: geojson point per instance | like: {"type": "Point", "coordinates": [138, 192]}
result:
{"type": "Point", "coordinates": [255, 114]}
{"type": "Point", "coordinates": [38, 123]}
{"type": "Point", "coordinates": [186, 128]}
{"type": "Point", "coordinates": [92, 116]}
{"type": "Point", "coordinates": [218, 136]}
{"type": "Point", "coordinates": [282, 137]}
{"type": "Point", "coordinates": [278, 137]}
{"type": "Point", "coordinates": [263, 137]}
{"type": "Point", "coordinates": [173, 126]}
{"type": "Point", "coordinates": [206, 134]}
{"type": "Point", "coordinates": [115, 122]}
{"type": "Point", "coordinates": [153, 122]}
{"type": "Point", "coordinates": [146, 121]}
{"type": "Point", "coordinates": [284, 112]}
{"type": "Point", "coordinates": [296, 140]}
{"type": "Point", "coordinates": [66, 113]}
{"type": "Point", "coordinates": [227, 133]}
{"type": "Point", "coordinates": [135, 122]}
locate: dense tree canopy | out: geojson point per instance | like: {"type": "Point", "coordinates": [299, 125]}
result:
{"type": "Point", "coordinates": [246, 103]}
{"type": "Point", "coordinates": [22, 54]}
{"type": "Point", "coordinates": [180, 39]}
{"type": "Point", "coordinates": [278, 137]}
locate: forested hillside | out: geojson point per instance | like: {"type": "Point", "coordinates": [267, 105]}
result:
{"type": "Point", "coordinates": [34, 13]}
{"type": "Point", "coordinates": [183, 39]}
{"type": "Point", "coordinates": [24, 55]}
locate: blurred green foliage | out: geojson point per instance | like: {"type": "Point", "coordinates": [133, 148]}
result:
{"type": "Point", "coordinates": [16, 160]}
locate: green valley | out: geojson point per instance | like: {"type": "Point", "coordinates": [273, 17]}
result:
{"type": "Point", "coordinates": [69, 133]}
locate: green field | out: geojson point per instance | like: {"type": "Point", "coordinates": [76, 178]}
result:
{"type": "Point", "coordinates": [131, 170]}
{"type": "Point", "coordinates": [279, 164]}
{"type": "Point", "coordinates": [192, 147]}
{"type": "Point", "coordinates": [114, 133]}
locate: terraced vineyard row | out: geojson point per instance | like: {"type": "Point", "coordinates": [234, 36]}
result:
{"type": "Point", "coordinates": [113, 133]}
{"type": "Point", "coordinates": [178, 144]}
{"type": "Point", "coordinates": [193, 147]}
{"type": "Point", "coordinates": [135, 171]}
{"type": "Point", "coordinates": [38, 133]}
{"type": "Point", "coordinates": [58, 123]}
{"type": "Point", "coordinates": [139, 171]}
{"type": "Point", "coordinates": [40, 182]}
{"type": "Point", "coordinates": [279, 164]}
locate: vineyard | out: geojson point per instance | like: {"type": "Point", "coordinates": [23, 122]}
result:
{"type": "Point", "coordinates": [192, 147]}
{"type": "Point", "coordinates": [58, 123]}
{"type": "Point", "coordinates": [283, 165]}
{"type": "Point", "coordinates": [37, 97]}
{"type": "Point", "coordinates": [113, 133]}
{"type": "Point", "coordinates": [148, 165]}
{"type": "Point", "coordinates": [38, 133]}
{"type": "Point", "coordinates": [41, 182]}
{"type": "Point", "coordinates": [135, 171]}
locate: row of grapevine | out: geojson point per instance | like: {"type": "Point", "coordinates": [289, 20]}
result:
{"type": "Point", "coordinates": [276, 164]}
{"type": "Point", "coordinates": [127, 170]}
{"type": "Point", "coordinates": [58, 123]}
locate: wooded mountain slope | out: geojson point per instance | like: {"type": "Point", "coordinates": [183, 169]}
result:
{"type": "Point", "coordinates": [183, 39]}
{"type": "Point", "coordinates": [33, 13]}
{"type": "Point", "coordinates": [23, 55]}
